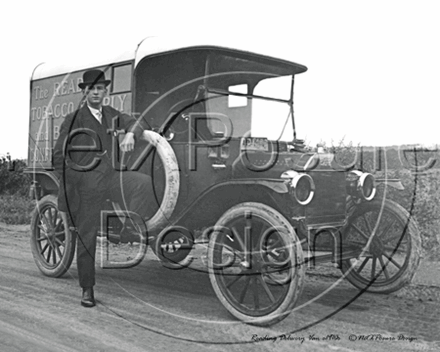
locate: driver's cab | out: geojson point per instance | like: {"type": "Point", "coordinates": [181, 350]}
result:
{"type": "Point", "coordinates": [211, 102]}
{"type": "Point", "coordinates": [251, 92]}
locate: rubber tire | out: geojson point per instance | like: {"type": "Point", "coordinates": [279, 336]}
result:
{"type": "Point", "coordinates": [172, 177]}
{"type": "Point", "coordinates": [61, 266]}
{"type": "Point", "coordinates": [404, 275]}
{"type": "Point", "coordinates": [275, 219]}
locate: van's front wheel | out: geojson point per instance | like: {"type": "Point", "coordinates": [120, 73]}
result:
{"type": "Point", "coordinates": [390, 243]}
{"type": "Point", "coordinates": [256, 264]}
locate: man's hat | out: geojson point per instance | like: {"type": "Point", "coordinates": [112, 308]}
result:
{"type": "Point", "coordinates": [93, 77]}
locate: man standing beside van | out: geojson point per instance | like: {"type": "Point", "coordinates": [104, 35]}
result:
{"type": "Point", "coordinates": [83, 156]}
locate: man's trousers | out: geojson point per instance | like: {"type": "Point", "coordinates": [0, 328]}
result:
{"type": "Point", "coordinates": [132, 190]}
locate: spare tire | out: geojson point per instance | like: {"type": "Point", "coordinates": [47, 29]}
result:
{"type": "Point", "coordinates": [172, 180]}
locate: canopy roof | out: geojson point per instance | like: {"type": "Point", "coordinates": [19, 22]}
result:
{"type": "Point", "coordinates": [152, 46]}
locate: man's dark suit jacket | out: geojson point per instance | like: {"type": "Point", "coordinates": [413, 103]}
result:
{"type": "Point", "coordinates": [81, 132]}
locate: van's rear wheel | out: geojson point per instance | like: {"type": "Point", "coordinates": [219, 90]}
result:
{"type": "Point", "coordinates": [52, 242]}
{"type": "Point", "coordinates": [256, 264]}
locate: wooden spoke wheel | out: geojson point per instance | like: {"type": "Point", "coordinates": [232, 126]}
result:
{"type": "Point", "coordinates": [52, 242]}
{"type": "Point", "coordinates": [390, 243]}
{"type": "Point", "coordinates": [256, 264]}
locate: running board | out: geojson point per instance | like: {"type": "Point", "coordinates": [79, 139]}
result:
{"type": "Point", "coordinates": [330, 257]}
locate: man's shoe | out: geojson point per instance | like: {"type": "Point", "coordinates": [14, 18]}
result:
{"type": "Point", "coordinates": [88, 298]}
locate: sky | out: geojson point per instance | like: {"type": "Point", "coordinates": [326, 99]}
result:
{"type": "Point", "coordinates": [373, 66]}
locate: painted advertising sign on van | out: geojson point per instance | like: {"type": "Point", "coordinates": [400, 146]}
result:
{"type": "Point", "coordinates": [53, 98]}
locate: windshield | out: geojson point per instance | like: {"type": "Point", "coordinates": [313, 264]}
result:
{"type": "Point", "coordinates": [265, 112]}
{"type": "Point", "coordinates": [250, 98]}
{"type": "Point", "coordinates": [272, 119]}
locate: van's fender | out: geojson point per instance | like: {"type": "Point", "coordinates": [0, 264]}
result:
{"type": "Point", "coordinates": [43, 182]}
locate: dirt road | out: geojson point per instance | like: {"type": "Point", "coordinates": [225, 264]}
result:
{"type": "Point", "coordinates": [152, 308]}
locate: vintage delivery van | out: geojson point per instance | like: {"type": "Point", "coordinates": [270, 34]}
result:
{"type": "Point", "coordinates": [222, 148]}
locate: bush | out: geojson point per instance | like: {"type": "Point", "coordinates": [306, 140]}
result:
{"type": "Point", "coordinates": [420, 197]}
{"type": "Point", "coordinates": [15, 205]}
{"type": "Point", "coordinates": [14, 181]}
{"type": "Point", "coordinates": [16, 209]}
